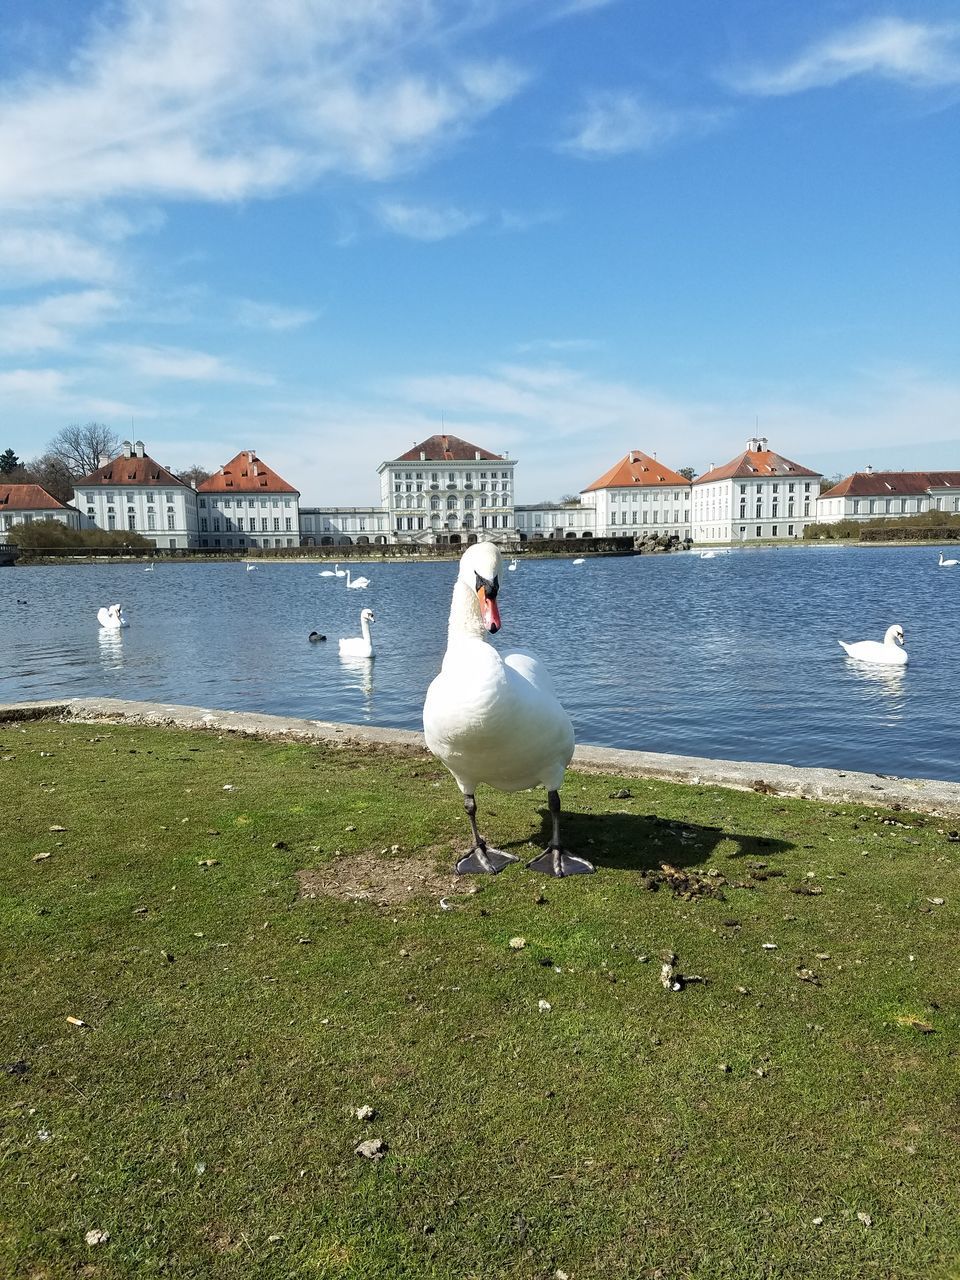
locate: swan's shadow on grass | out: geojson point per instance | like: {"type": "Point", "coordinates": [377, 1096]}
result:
{"type": "Point", "coordinates": [641, 842]}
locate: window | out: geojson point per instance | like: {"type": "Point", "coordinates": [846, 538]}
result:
{"type": "Point", "coordinates": [168, 497]}
{"type": "Point", "coordinates": [111, 498]}
{"type": "Point", "coordinates": [263, 524]}
{"type": "Point", "coordinates": [743, 508]}
{"type": "Point", "coordinates": [216, 526]}
{"type": "Point", "coordinates": [286, 502]}
{"type": "Point", "coordinates": [89, 497]}
{"type": "Point", "coordinates": [806, 508]}
{"type": "Point", "coordinates": [203, 502]}
{"type": "Point", "coordinates": [288, 524]}
{"type": "Point", "coordinates": [171, 522]}
{"type": "Point", "coordinates": [203, 524]}
{"type": "Point", "coordinates": [613, 517]}
{"type": "Point", "coordinates": [759, 531]}
{"type": "Point", "coordinates": [131, 522]}
{"type": "Point", "coordinates": [228, 503]}
{"type": "Point", "coordinates": [240, 524]}
{"type": "Point", "coordinates": [743, 488]}
{"type": "Point", "coordinates": [789, 530]}
{"type": "Point", "coordinates": [276, 524]}
{"type": "Point", "coordinates": [111, 521]}
{"type": "Point", "coordinates": [773, 531]}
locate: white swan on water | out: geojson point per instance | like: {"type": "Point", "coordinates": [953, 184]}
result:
{"type": "Point", "coordinates": [512, 566]}
{"type": "Point", "coordinates": [359, 646]}
{"type": "Point", "coordinates": [357, 584]}
{"type": "Point", "coordinates": [947, 564]}
{"type": "Point", "coordinates": [495, 718]}
{"type": "Point", "coordinates": [889, 652]}
{"type": "Point", "coordinates": [579, 560]}
{"type": "Point", "coordinates": [331, 573]}
{"type": "Point", "coordinates": [111, 617]}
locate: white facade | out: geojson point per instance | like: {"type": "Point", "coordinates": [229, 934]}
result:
{"type": "Point", "coordinates": [240, 520]}
{"type": "Point", "coordinates": [135, 493]}
{"type": "Point", "coordinates": [555, 520]}
{"type": "Point", "coordinates": [641, 509]}
{"type": "Point", "coordinates": [885, 495]}
{"type": "Point", "coordinates": [767, 497]}
{"type": "Point", "coordinates": [27, 503]}
{"type": "Point", "coordinates": [436, 499]}
{"type": "Point", "coordinates": [344, 526]}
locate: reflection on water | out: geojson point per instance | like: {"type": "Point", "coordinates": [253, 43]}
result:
{"type": "Point", "coordinates": [359, 674]}
{"type": "Point", "coordinates": [111, 648]}
{"type": "Point", "coordinates": [889, 682]}
{"type": "Point", "coordinates": [734, 657]}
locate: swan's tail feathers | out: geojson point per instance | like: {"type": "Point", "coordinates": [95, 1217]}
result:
{"type": "Point", "coordinates": [484, 862]}
{"type": "Point", "coordinates": [560, 862]}
{"type": "Point", "coordinates": [844, 646]}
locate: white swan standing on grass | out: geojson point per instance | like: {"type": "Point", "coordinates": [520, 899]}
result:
{"type": "Point", "coordinates": [357, 584]}
{"type": "Point", "coordinates": [495, 718]}
{"type": "Point", "coordinates": [947, 564]}
{"type": "Point", "coordinates": [111, 617]}
{"type": "Point", "coordinates": [889, 652]}
{"type": "Point", "coordinates": [331, 573]}
{"type": "Point", "coordinates": [359, 646]}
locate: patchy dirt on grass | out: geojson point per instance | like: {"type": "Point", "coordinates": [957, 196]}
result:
{"type": "Point", "coordinates": [378, 878]}
{"type": "Point", "coordinates": [685, 883]}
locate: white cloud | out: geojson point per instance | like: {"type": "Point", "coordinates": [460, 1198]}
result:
{"type": "Point", "coordinates": [34, 255]}
{"type": "Point", "coordinates": [922, 55]}
{"type": "Point", "coordinates": [26, 386]}
{"type": "Point", "coordinates": [616, 122]}
{"type": "Point", "coordinates": [426, 222]}
{"type": "Point", "coordinates": [269, 316]}
{"type": "Point", "coordinates": [179, 364]}
{"type": "Point", "coordinates": [52, 322]}
{"type": "Point", "coordinates": [217, 101]}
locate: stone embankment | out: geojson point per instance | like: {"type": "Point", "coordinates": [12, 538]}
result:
{"type": "Point", "coordinates": [922, 795]}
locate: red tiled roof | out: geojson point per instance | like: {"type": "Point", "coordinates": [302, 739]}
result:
{"type": "Point", "coordinates": [880, 484]}
{"type": "Point", "coordinates": [133, 470]}
{"type": "Point", "coordinates": [637, 468]}
{"type": "Point", "coordinates": [246, 473]}
{"type": "Point", "coordinates": [28, 497]}
{"type": "Point", "coordinates": [755, 462]}
{"type": "Point", "coordinates": [447, 449]}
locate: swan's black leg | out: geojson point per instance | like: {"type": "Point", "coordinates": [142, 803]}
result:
{"type": "Point", "coordinates": [555, 860]}
{"type": "Point", "coordinates": [481, 859]}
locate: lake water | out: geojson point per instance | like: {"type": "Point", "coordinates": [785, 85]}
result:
{"type": "Point", "coordinates": [733, 657]}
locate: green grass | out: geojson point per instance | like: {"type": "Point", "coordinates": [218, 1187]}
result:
{"type": "Point", "coordinates": [203, 1116]}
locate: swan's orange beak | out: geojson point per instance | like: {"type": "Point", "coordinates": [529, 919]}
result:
{"type": "Point", "coordinates": [489, 613]}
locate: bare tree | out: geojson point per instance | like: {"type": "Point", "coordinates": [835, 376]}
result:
{"type": "Point", "coordinates": [194, 475]}
{"type": "Point", "coordinates": [50, 472]}
{"type": "Point", "coordinates": [80, 449]}
{"type": "Point", "coordinates": [570, 500]}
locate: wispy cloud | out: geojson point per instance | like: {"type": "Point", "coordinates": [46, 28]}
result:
{"type": "Point", "coordinates": [205, 100]}
{"type": "Point", "coordinates": [54, 321]}
{"type": "Point", "coordinates": [426, 222]}
{"type": "Point", "coordinates": [179, 364]}
{"type": "Point", "coordinates": [922, 55]}
{"type": "Point", "coordinates": [269, 316]}
{"type": "Point", "coordinates": [37, 255]}
{"type": "Point", "coordinates": [616, 122]}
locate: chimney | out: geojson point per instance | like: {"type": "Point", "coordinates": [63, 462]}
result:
{"type": "Point", "coordinates": [762, 444]}
{"type": "Point", "coordinates": [251, 453]}
{"type": "Point", "coordinates": [127, 449]}
{"type": "Point", "coordinates": [868, 470]}
{"type": "Point", "coordinates": [423, 456]}
{"type": "Point", "coordinates": [710, 466]}
{"type": "Point", "coordinates": [477, 455]}
{"type": "Point", "coordinates": [139, 448]}
{"type": "Point", "coordinates": [256, 469]}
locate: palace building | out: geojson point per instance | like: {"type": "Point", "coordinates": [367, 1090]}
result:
{"type": "Point", "coordinates": [757, 495]}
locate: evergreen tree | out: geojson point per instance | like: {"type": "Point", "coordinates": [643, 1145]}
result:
{"type": "Point", "coordinates": [9, 462]}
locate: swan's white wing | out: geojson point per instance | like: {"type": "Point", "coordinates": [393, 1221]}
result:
{"type": "Point", "coordinates": [495, 721]}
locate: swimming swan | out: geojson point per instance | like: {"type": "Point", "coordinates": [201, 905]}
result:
{"type": "Point", "coordinates": [873, 651]}
{"type": "Point", "coordinates": [111, 617]}
{"type": "Point", "coordinates": [512, 566]}
{"type": "Point", "coordinates": [357, 584]}
{"type": "Point", "coordinates": [579, 560]}
{"type": "Point", "coordinates": [331, 573]}
{"type": "Point", "coordinates": [947, 564]}
{"type": "Point", "coordinates": [495, 718]}
{"type": "Point", "coordinates": [359, 646]}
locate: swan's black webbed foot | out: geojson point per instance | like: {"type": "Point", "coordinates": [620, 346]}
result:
{"type": "Point", "coordinates": [555, 861]}
{"type": "Point", "coordinates": [482, 860]}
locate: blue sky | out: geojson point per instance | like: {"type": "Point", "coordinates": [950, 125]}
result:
{"type": "Point", "coordinates": [562, 228]}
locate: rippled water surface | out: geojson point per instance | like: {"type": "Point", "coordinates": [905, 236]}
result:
{"type": "Point", "coordinates": [734, 656]}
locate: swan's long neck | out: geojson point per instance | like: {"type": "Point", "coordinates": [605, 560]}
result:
{"type": "Point", "coordinates": [365, 629]}
{"type": "Point", "coordinates": [465, 622]}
